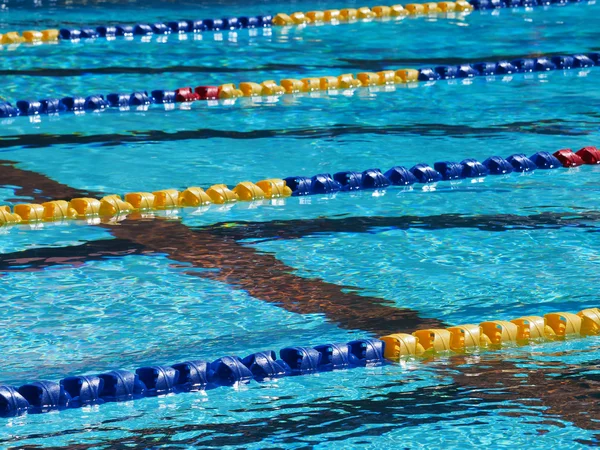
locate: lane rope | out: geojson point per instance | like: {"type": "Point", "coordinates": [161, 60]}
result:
{"type": "Point", "coordinates": [137, 205]}
{"type": "Point", "coordinates": [200, 375]}
{"type": "Point", "coordinates": [290, 86]}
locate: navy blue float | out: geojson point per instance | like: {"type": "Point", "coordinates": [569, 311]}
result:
{"type": "Point", "coordinates": [323, 183]}
{"type": "Point", "coordinates": [83, 390]}
{"type": "Point", "coordinates": [544, 160]}
{"type": "Point", "coordinates": [471, 168]}
{"type": "Point", "coordinates": [265, 366]}
{"type": "Point", "coordinates": [301, 360]}
{"type": "Point", "coordinates": [521, 163]}
{"type": "Point", "coordinates": [193, 375]}
{"type": "Point", "coordinates": [449, 170]}
{"type": "Point", "coordinates": [107, 31]}
{"type": "Point", "coordinates": [44, 396]}
{"type": "Point", "coordinates": [11, 402]}
{"type": "Point", "coordinates": [121, 385]}
{"type": "Point", "coordinates": [400, 176]}
{"type": "Point", "coordinates": [498, 166]}
{"type": "Point", "coordinates": [230, 370]}
{"type": "Point", "coordinates": [334, 356]}
{"type": "Point", "coordinates": [425, 174]}
{"type": "Point", "coordinates": [350, 181]}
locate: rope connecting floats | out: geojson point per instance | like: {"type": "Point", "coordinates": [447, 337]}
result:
{"type": "Point", "coordinates": [269, 88]}
{"type": "Point", "coordinates": [199, 375]}
{"type": "Point", "coordinates": [138, 204]}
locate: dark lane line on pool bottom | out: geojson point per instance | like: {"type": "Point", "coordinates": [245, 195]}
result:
{"type": "Point", "coordinates": [288, 290]}
{"type": "Point", "coordinates": [38, 259]}
{"type": "Point", "coordinates": [297, 69]}
{"type": "Point", "coordinates": [548, 127]}
{"type": "Point", "coordinates": [479, 391]}
{"type": "Point", "coordinates": [274, 283]}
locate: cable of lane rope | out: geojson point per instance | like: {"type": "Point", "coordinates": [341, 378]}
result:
{"type": "Point", "coordinates": [200, 375]}
{"type": "Point", "coordinates": [137, 205]}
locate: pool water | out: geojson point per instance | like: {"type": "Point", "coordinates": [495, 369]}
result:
{"type": "Point", "coordinates": [302, 271]}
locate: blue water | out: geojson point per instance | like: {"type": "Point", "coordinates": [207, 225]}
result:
{"type": "Point", "coordinates": [200, 284]}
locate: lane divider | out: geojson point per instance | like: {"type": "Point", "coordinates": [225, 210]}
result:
{"type": "Point", "coordinates": [270, 89]}
{"type": "Point", "coordinates": [136, 205]}
{"type": "Point", "coordinates": [334, 16]}
{"type": "Point", "coordinates": [199, 375]}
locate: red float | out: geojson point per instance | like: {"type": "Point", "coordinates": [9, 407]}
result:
{"type": "Point", "coordinates": [590, 155]}
{"type": "Point", "coordinates": [567, 158]}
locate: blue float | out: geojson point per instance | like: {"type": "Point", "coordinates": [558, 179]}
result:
{"type": "Point", "coordinates": [106, 31]}
{"type": "Point", "coordinates": [324, 184]}
{"type": "Point", "coordinates": [428, 74]}
{"type": "Point", "coordinates": [50, 105]}
{"type": "Point", "coordinates": [265, 21]}
{"type": "Point", "coordinates": [334, 356]}
{"type": "Point", "coordinates": [11, 402]}
{"type": "Point", "coordinates": [231, 23]}
{"type": "Point", "coordinates": [29, 108]}
{"type": "Point", "coordinates": [498, 165]}
{"type": "Point", "coordinates": [44, 396]}
{"type": "Point", "coordinates": [181, 26]}
{"type": "Point", "coordinates": [471, 168]}
{"type": "Point", "coordinates": [524, 65]}
{"type": "Point", "coordinates": [367, 352]}
{"type": "Point", "coordinates": [374, 179]}
{"type": "Point", "coordinates": [69, 34]}
{"type": "Point", "coordinates": [449, 170]}
{"type": "Point", "coordinates": [545, 160]}
{"type": "Point", "coordinates": [230, 370]}
{"type": "Point", "coordinates": [89, 33]}
{"type": "Point", "coordinates": [521, 163]}
{"type": "Point", "coordinates": [160, 28]}
{"type": "Point", "coordinates": [512, 3]}
{"type": "Point", "coordinates": [302, 360]}
{"type": "Point", "coordinates": [139, 99]}
{"type": "Point", "coordinates": [142, 29]}
{"type": "Point", "coordinates": [446, 72]}
{"type": "Point", "coordinates": [118, 100]}
{"type": "Point", "coordinates": [193, 375]}
{"type": "Point", "coordinates": [481, 4]}
{"type": "Point", "coordinates": [265, 366]}
{"type": "Point", "coordinates": [544, 64]}
{"type": "Point", "coordinates": [595, 57]}
{"type": "Point", "coordinates": [425, 173]}
{"type": "Point", "coordinates": [95, 103]}
{"type": "Point", "coordinates": [83, 390]}
{"type": "Point", "coordinates": [400, 176]}
{"type": "Point", "coordinates": [214, 24]}
{"type": "Point", "coordinates": [467, 71]}
{"type": "Point", "coordinates": [299, 185]}
{"type": "Point", "coordinates": [124, 30]}
{"type": "Point", "coordinates": [350, 181]}
{"type": "Point", "coordinates": [161, 96]}
{"type": "Point", "coordinates": [582, 61]}
{"type": "Point", "coordinates": [563, 62]}
{"type": "Point", "coordinates": [121, 385]}
{"type": "Point", "coordinates": [72, 104]}
{"type": "Point", "coordinates": [250, 22]}
{"type": "Point", "coordinates": [505, 67]}
{"type": "Point", "coordinates": [485, 68]}
{"type": "Point", "coordinates": [196, 26]}
{"type": "Point", "coordinates": [158, 380]}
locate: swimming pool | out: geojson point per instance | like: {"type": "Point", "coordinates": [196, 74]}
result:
{"type": "Point", "coordinates": [303, 271]}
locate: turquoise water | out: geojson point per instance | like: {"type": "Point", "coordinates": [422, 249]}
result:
{"type": "Point", "coordinates": [80, 299]}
